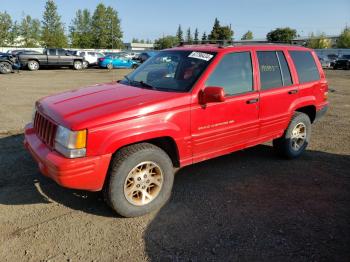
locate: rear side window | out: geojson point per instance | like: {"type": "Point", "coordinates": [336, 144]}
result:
{"type": "Point", "coordinates": [234, 73]}
{"type": "Point", "coordinates": [274, 70]}
{"type": "Point", "coordinates": [52, 52]}
{"type": "Point", "coordinates": [305, 66]}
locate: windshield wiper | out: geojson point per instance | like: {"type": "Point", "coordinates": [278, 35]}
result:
{"type": "Point", "coordinates": [139, 83]}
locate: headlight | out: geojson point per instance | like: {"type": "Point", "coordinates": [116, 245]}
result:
{"type": "Point", "coordinates": [70, 143]}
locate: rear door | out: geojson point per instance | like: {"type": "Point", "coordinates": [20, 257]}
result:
{"type": "Point", "coordinates": [64, 58]}
{"type": "Point", "coordinates": [278, 90]}
{"type": "Point", "coordinates": [220, 127]}
{"type": "Point", "coordinates": [309, 75]}
{"type": "Point", "coordinates": [52, 57]}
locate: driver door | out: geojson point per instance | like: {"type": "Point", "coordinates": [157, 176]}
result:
{"type": "Point", "coordinates": [222, 127]}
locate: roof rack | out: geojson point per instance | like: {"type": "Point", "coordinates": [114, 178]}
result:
{"type": "Point", "coordinates": [227, 43]}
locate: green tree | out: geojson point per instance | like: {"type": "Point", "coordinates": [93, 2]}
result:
{"type": "Point", "coordinates": [284, 35]}
{"type": "Point", "coordinates": [196, 36]}
{"type": "Point", "coordinates": [29, 30]}
{"type": "Point", "coordinates": [135, 40]}
{"type": "Point", "coordinates": [166, 42]}
{"type": "Point", "coordinates": [5, 29]}
{"type": "Point", "coordinates": [52, 28]}
{"type": "Point", "coordinates": [220, 32]}
{"type": "Point", "coordinates": [247, 36]}
{"type": "Point", "coordinates": [106, 28]}
{"type": "Point", "coordinates": [204, 37]}
{"type": "Point", "coordinates": [189, 38]}
{"type": "Point", "coordinates": [344, 38]}
{"type": "Point", "coordinates": [319, 42]}
{"type": "Point", "coordinates": [179, 34]}
{"type": "Point", "coordinates": [215, 32]}
{"type": "Point", "coordinates": [80, 30]}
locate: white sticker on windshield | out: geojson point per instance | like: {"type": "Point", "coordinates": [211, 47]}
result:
{"type": "Point", "coordinates": [200, 55]}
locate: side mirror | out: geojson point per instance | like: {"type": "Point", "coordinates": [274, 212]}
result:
{"type": "Point", "coordinates": [212, 94]}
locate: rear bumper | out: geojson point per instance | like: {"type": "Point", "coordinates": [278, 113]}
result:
{"type": "Point", "coordinates": [321, 112]}
{"type": "Point", "coordinates": [87, 173]}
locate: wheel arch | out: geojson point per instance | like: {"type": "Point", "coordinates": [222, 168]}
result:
{"type": "Point", "coordinates": [166, 143]}
{"type": "Point", "coordinates": [309, 110]}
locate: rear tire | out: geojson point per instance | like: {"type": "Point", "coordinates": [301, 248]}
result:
{"type": "Point", "coordinates": [78, 65]}
{"type": "Point", "coordinates": [85, 64]}
{"type": "Point", "coordinates": [33, 65]}
{"type": "Point", "coordinates": [109, 66]}
{"type": "Point", "coordinates": [5, 68]}
{"type": "Point", "coordinates": [140, 180]}
{"type": "Point", "coordinates": [296, 137]}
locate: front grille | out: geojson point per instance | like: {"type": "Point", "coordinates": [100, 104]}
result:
{"type": "Point", "coordinates": [45, 129]}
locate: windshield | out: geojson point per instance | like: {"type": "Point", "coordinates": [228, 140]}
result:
{"type": "Point", "coordinates": [170, 71]}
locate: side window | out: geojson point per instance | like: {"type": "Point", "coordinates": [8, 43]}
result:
{"type": "Point", "coordinates": [234, 73]}
{"type": "Point", "coordinates": [52, 52]}
{"type": "Point", "coordinates": [91, 53]}
{"type": "Point", "coordinates": [270, 73]}
{"type": "Point", "coordinates": [61, 52]}
{"type": "Point", "coordinates": [287, 78]}
{"type": "Point", "coordinates": [305, 66]}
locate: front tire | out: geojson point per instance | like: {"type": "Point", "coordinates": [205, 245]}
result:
{"type": "Point", "coordinates": [78, 65]}
{"type": "Point", "coordinates": [296, 137]}
{"type": "Point", "coordinates": [140, 180]}
{"type": "Point", "coordinates": [33, 65]}
{"type": "Point", "coordinates": [5, 68]}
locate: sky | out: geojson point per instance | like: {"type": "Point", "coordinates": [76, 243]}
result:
{"type": "Point", "coordinates": [154, 18]}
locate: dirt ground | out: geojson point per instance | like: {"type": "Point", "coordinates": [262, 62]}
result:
{"type": "Point", "coordinates": [247, 206]}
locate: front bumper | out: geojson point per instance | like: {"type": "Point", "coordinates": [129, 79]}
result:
{"type": "Point", "coordinates": [87, 173]}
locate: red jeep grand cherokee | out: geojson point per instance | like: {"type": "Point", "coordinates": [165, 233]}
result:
{"type": "Point", "coordinates": [182, 106]}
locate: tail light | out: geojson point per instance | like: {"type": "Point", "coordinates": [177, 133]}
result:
{"type": "Point", "coordinates": [101, 59]}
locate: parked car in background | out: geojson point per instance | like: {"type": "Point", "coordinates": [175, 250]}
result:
{"type": "Point", "coordinates": [342, 62]}
{"type": "Point", "coordinates": [129, 55]}
{"type": "Point", "coordinates": [90, 57]}
{"type": "Point", "coordinates": [145, 55]}
{"type": "Point", "coordinates": [325, 62]}
{"type": "Point", "coordinates": [8, 63]}
{"type": "Point", "coordinates": [52, 57]}
{"type": "Point", "coordinates": [116, 61]}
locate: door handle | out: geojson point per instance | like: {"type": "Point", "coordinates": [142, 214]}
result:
{"type": "Point", "coordinates": [292, 92]}
{"type": "Point", "coordinates": [252, 101]}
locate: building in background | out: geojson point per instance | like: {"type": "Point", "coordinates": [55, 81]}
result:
{"type": "Point", "coordinates": [138, 46]}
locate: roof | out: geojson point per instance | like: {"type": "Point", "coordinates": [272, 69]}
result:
{"type": "Point", "coordinates": [220, 48]}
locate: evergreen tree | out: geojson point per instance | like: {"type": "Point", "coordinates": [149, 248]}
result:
{"type": "Point", "coordinates": [80, 30]}
{"type": "Point", "coordinates": [204, 37]}
{"type": "Point", "coordinates": [247, 36]}
{"type": "Point", "coordinates": [189, 38]}
{"type": "Point", "coordinates": [179, 34]}
{"type": "Point", "coordinates": [5, 29]}
{"type": "Point", "coordinates": [196, 35]}
{"type": "Point", "coordinates": [220, 32]}
{"type": "Point", "coordinates": [52, 27]}
{"type": "Point", "coordinates": [29, 30]}
{"type": "Point", "coordinates": [215, 32]}
{"type": "Point", "coordinates": [106, 29]}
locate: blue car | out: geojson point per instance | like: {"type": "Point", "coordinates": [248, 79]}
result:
{"type": "Point", "coordinates": [115, 61]}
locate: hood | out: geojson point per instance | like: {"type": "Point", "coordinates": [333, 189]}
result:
{"type": "Point", "coordinates": [105, 103]}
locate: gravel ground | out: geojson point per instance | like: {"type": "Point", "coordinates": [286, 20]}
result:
{"type": "Point", "coordinates": [247, 206]}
